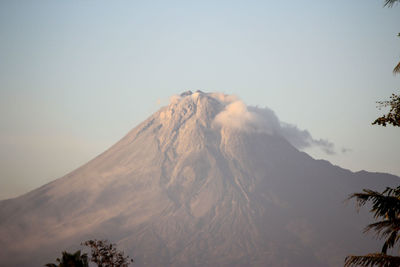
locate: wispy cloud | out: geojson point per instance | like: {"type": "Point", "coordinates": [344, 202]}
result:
{"type": "Point", "coordinates": [238, 115]}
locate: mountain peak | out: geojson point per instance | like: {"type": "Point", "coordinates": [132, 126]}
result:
{"type": "Point", "coordinates": [186, 93]}
{"type": "Point", "coordinates": [215, 110]}
{"type": "Point", "coordinates": [189, 92]}
{"type": "Point", "coordinates": [200, 106]}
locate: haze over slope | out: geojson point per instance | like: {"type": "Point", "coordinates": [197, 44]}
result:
{"type": "Point", "coordinates": [205, 181]}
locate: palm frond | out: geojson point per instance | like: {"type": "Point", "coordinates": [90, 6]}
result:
{"type": "Point", "coordinates": [385, 204]}
{"type": "Point", "coordinates": [390, 241]}
{"type": "Point", "coordinates": [373, 259]}
{"type": "Point", "coordinates": [396, 69]}
{"type": "Point", "coordinates": [388, 229]}
{"type": "Point", "coordinates": [384, 228]}
{"type": "Point", "coordinates": [390, 3]}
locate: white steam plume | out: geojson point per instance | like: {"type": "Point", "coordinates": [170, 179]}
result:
{"type": "Point", "coordinates": [248, 118]}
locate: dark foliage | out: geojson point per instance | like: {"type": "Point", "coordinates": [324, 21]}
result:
{"type": "Point", "coordinates": [71, 260]}
{"type": "Point", "coordinates": [393, 117]}
{"type": "Point", "coordinates": [105, 254]}
{"type": "Point", "coordinates": [386, 208]}
{"type": "Point", "coordinates": [376, 259]}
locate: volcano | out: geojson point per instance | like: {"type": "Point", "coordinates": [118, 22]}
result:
{"type": "Point", "coordinates": [205, 181]}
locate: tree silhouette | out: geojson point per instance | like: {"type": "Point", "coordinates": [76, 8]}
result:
{"type": "Point", "coordinates": [393, 117]}
{"type": "Point", "coordinates": [386, 208]}
{"type": "Point", "coordinates": [385, 205]}
{"type": "Point", "coordinates": [104, 254]}
{"type": "Point", "coordinates": [71, 260]}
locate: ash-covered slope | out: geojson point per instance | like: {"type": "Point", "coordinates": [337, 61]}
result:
{"type": "Point", "coordinates": [205, 181]}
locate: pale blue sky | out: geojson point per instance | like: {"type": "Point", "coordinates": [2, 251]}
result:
{"type": "Point", "coordinates": [75, 76]}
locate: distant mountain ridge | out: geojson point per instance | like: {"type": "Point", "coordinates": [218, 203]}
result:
{"type": "Point", "coordinates": [204, 181]}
